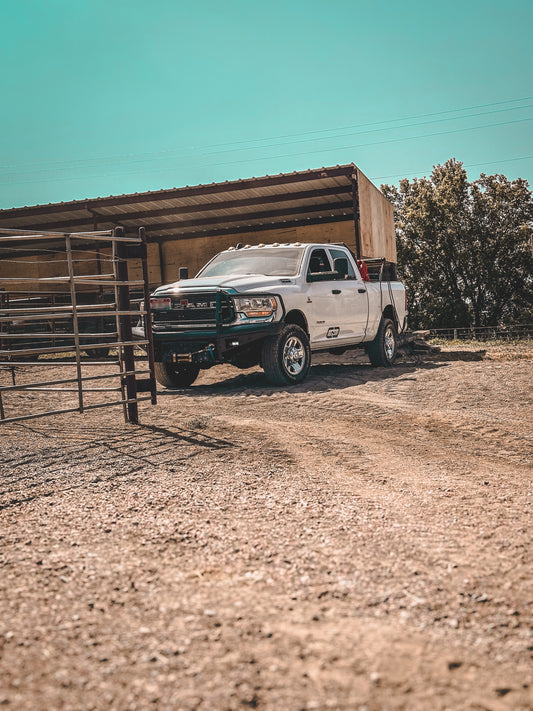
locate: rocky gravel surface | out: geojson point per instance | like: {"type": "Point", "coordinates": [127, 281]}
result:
{"type": "Point", "coordinates": [361, 541]}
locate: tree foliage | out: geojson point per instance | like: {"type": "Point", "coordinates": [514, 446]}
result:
{"type": "Point", "coordinates": [465, 249]}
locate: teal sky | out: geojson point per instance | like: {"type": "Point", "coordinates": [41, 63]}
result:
{"type": "Point", "coordinates": [102, 97]}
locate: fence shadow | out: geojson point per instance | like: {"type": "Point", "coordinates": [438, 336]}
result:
{"type": "Point", "coordinates": [448, 356]}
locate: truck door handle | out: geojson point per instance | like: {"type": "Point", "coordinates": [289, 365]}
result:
{"type": "Point", "coordinates": [336, 291]}
{"type": "Point", "coordinates": [361, 291]}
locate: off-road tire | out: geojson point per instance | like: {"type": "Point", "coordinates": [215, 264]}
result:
{"type": "Point", "coordinates": [384, 348]}
{"type": "Point", "coordinates": [172, 375]}
{"type": "Point", "coordinates": [286, 358]}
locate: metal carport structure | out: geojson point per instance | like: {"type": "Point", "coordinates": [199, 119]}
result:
{"type": "Point", "coordinates": [209, 216]}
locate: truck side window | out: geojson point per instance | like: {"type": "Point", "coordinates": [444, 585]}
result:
{"type": "Point", "coordinates": [319, 262]}
{"type": "Point", "coordinates": [339, 254]}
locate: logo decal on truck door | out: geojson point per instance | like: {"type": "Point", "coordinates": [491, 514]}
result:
{"type": "Point", "coordinates": [333, 332]}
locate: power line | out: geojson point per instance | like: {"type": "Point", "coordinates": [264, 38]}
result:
{"type": "Point", "coordinates": [308, 152]}
{"type": "Point", "coordinates": [167, 153]}
{"type": "Point", "coordinates": [470, 165]}
{"type": "Point", "coordinates": [374, 143]}
{"type": "Point", "coordinates": [144, 160]}
{"type": "Point", "coordinates": [374, 130]}
{"type": "Point", "coordinates": [376, 123]}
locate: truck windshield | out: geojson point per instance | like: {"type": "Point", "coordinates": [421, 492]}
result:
{"type": "Point", "coordinates": [269, 262]}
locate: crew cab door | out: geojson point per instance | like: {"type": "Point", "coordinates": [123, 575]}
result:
{"type": "Point", "coordinates": [352, 299]}
{"type": "Point", "coordinates": [320, 302]}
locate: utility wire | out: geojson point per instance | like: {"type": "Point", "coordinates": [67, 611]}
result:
{"type": "Point", "coordinates": [376, 123]}
{"type": "Point", "coordinates": [374, 143]}
{"type": "Point", "coordinates": [373, 130]}
{"type": "Point", "coordinates": [423, 123]}
{"type": "Point", "coordinates": [147, 156]}
{"type": "Point", "coordinates": [292, 155]}
{"type": "Point", "coordinates": [469, 165]}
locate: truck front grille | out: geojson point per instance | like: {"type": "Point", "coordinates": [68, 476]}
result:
{"type": "Point", "coordinates": [194, 309]}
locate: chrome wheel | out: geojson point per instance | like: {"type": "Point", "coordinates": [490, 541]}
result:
{"type": "Point", "coordinates": [389, 343]}
{"type": "Point", "coordinates": [286, 357]}
{"type": "Point", "coordinates": [294, 356]}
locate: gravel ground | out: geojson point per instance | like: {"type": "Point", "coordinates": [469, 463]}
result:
{"type": "Point", "coordinates": [361, 541]}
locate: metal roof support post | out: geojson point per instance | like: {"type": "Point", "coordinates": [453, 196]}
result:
{"type": "Point", "coordinates": [126, 332]}
{"type": "Point", "coordinates": [356, 214]}
{"type": "Point", "coordinates": [148, 315]}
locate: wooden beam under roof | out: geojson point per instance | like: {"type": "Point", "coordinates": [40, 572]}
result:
{"type": "Point", "coordinates": [286, 224]}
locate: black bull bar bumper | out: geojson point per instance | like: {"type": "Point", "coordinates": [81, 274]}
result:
{"type": "Point", "coordinates": [207, 345]}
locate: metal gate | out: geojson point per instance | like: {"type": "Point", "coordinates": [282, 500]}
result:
{"type": "Point", "coordinates": [71, 319]}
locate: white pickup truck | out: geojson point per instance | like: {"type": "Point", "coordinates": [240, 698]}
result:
{"type": "Point", "coordinates": [274, 305]}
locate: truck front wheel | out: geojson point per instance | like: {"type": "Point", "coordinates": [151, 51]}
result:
{"type": "Point", "coordinates": [384, 348]}
{"type": "Point", "coordinates": [286, 358]}
{"type": "Point", "coordinates": [172, 375]}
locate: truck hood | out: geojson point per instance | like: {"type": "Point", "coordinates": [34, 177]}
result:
{"type": "Point", "coordinates": [239, 284]}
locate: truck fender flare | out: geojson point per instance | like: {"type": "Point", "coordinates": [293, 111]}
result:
{"type": "Point", "coordinates": [297, 317]}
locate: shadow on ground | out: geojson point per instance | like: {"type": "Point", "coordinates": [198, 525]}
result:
{"type": "Point", "coordinates": [322, 377]}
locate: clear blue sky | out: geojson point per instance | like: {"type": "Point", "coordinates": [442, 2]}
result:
{"type": "Point", "coordinates": [102, 97]}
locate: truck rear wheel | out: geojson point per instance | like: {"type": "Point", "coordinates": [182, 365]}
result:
{"type": "Point", "coordinates": [172, 375]}
{"type": "Point", "coordinates": [384, 348]}
{"type": "Point", "coordinates": [286, 358]}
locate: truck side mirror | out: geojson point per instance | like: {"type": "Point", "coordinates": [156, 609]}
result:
{"type": "Point", "coordinates": [184, 273]}
{"type": "Point", "coordinates": [340, 265]}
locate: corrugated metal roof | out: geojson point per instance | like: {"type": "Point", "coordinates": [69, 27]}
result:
{"type": "Point", "coordinates": [306, 197]}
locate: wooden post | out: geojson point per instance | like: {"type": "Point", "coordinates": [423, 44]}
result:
{"type": "Point", "coordinates": [162, 273]}
{"type": "Point", "coordinates": [356, 215]}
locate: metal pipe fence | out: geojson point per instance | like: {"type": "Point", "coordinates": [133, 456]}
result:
{"type": "Point", "coordinates": [83, 318]}
{"type": "Point", "coordinates": [484, 333]}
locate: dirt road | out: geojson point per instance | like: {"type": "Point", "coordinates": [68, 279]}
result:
{"type": "Point", "coordinates": [361, 541]}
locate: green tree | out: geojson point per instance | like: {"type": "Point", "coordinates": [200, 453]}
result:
{"type": "Point", "coordinates": [465, 249]}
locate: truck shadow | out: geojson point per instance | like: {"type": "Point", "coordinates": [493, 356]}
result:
{"type": "Point", "coordinates": [322, 377]}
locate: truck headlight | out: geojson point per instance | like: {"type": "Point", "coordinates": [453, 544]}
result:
{"type": "Point", "coordinates": [256, 306]}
